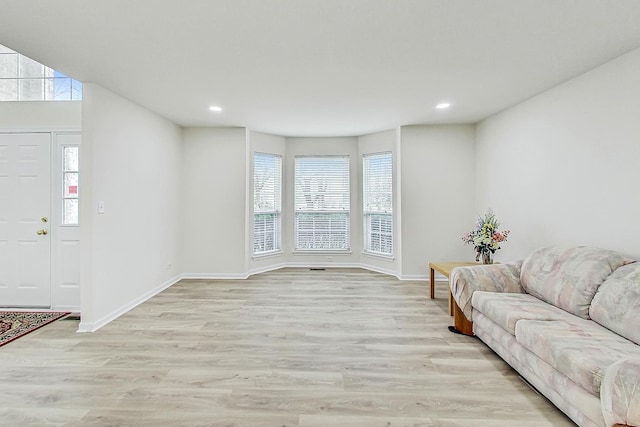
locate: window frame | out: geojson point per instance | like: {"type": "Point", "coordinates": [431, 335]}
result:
{"type": "Point", "coordinates": [276, 213]}
{"type": "Point", "coordinates": [23, 84]}
{"type": "Point", "coordinates": [64, 197]}
{"type": "Point", "coordinates": [343, 228]}
{"type": "Point", "coordinates": [369, 242]}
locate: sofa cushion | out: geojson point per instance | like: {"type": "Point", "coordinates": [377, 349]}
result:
{"type": "Point", "coordinates": [465, 281]}
{"type": "Point", "coordinates": [507, 309]}
{"type": "Point", "coordinates": [616, 305]}
{"type": "Point", "coordinates": [580, 349]}
{"type": "Point", "coordinates": [620, 393]}
{"type": "Point", "coordinates": [569, 277]}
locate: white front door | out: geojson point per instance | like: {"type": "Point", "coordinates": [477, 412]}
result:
{"type": "Point", "coordinates": [25, 203]}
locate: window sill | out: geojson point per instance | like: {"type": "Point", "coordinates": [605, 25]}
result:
{"type": "Point", "coordinates": [380, 256]}
{"type": "Point", "coordinates": [266, 255]}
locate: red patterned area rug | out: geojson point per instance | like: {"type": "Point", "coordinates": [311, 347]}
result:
{"type": "Point", "coordinates": [15, 324]}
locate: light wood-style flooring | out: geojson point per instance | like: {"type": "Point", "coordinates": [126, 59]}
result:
{"type": "Point", "coordinates": [293, 347]}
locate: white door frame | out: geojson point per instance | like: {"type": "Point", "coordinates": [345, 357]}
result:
{"type": "Point", "coordinates": [65, 246]}
{"type": "Point", "coordinates": [64, 295]}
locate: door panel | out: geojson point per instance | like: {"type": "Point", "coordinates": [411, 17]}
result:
{"type": "Point", "coordinates": [25, 255]}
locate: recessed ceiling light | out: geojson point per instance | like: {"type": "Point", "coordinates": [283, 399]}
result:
{"type": "Point", "coordinates": [215, 108]}
{"type": "Point", "coordinates": [443, 105]}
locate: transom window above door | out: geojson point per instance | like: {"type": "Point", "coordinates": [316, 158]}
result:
{"type": "Point", "coordinates": [23, 79]}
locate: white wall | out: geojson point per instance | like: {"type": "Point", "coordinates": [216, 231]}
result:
{"type": "Point", "coordinates": [40, 115]}
{"type": "Point", "coordinates": [271, 144]}
{"type": "Point", "coordinates": [437, 200]}
{"type": "Point", "coordinates": [564, 167]}
{"type": "Point", "coordinates": [355, 147]}
{"type": "Point", "coordinates": [131, 160]}
{"type": "Point", "coordinates": [377, 143]}
{"type": "Point", "coordinates": [321, 146]}
{"type": "Point", "coordinates": [560, 168]}
{"type": "Point", "coordinates": [433, 196]}
{"type": "Point", "coordinates": [214, 202]}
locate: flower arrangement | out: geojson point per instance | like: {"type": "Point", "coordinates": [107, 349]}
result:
{"type": "Point", "coordinates": [486, 237]}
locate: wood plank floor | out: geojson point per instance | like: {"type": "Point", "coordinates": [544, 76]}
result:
{"type": "Point", "coordinates": [293, 347]}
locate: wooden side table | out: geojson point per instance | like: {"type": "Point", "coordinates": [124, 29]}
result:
{"type": "Point", "coordinates": [460, 322]}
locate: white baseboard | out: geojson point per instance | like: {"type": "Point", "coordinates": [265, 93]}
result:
{"type": "Point", "coordinates": [300, 264]}
{"type": "Point", "coordinates": [215, 276]}
{"type": "Point", "coordinates": [94, 326]}
{"type": "Point", "coordinates": [303, 264]}
{"type": "Point", "coordinates": [267, 268]}
{"type": "Point", "coordinates": [380, 270]}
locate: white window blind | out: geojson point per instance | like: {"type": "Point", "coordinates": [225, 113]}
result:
{"type": "Point", "coordinates": [378, 203]}
{"type": "Point", "coordinates": [321, 203]}
{"type": "Point", "coordinates": [267, 203]}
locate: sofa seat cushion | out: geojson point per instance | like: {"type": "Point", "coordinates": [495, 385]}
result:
{"type": "Point", "coordinates": [616, 305]}
{"type": "Point", "coordinates": [569, 277]}
{"type": "Point", "coordinates": [507, 309]}
{"type": "Point", "coordinates": [580, 349]}
{"type": "Point", "coordinates": [620, 393]}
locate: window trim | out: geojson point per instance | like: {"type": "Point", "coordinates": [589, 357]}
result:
{"type": "Point", "coordinates": [277, 212]}
{"type": "Point", "coordinates": [63, 173]}
{"type": "Point", "coordinates": [47, 81]}
{"type": "Point", "coordinates": [346, 209]}
{"type": "Point", "coordinates": [366, 214]}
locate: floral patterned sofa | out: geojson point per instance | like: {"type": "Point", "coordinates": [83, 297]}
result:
{"type": "Point", "coordinates": [568, 320]}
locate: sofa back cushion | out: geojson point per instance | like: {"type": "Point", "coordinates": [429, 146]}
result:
{"type": "Point", "coordinates": [616, 305]}
{"type": "Point", "coordinates": [568, 277]}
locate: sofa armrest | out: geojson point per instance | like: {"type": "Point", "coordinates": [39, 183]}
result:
{"type": "Point", "coordinates": [464, 281]}
{"type": "Point", "coordinates": [620, 393]}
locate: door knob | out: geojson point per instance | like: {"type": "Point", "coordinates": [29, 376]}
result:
{"type": "Point", "coordinates": [42, 232]}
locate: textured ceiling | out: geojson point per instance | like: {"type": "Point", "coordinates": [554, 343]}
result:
{"type": "Point", "coordinates": [324, 67]}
